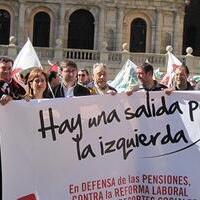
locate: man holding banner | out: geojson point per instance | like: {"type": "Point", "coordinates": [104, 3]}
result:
{"type": "Point", "coordinates": [9, 88]}
{"type": "Point", "coordinates": [99, 85]}
{"type": "Point", "coordinates": [146, 82]}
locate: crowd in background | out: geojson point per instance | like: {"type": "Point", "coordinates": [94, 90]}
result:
{"type": "Point", "coordinates": [66, 80]}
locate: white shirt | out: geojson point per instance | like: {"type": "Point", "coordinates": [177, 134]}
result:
{"type": "Point", "coordinates": [68, 91]}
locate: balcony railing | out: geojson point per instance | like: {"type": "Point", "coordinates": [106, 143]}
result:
{"type": "Point", "coordinates": [115, 56]}
{"type": "Point", "coordinates": [114, 59]}
{"type": "Point", "coordinates": [81, 54]}
{"type": "Point", "coordinates": [44, 53]}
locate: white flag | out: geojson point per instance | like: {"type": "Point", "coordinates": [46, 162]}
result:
{"type": "Point", "coordinates": [126, 78]}
{"type": "Point", "coordinates": [173, 63]}
{"type": "Point", "coordinates": [27, 58]}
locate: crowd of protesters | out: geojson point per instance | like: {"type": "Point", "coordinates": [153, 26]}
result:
{"type": "Point", "coordinates": [68, 81]}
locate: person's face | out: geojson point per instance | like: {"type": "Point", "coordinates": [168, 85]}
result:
{"type": "Point", "coordinates": [100, 76]}
{"type": "Point", "coordinates": [39, 84]}
{"type": "Point", "coordinates": [69, 74]}
{"type": "Point", "coordinates": [180, 77]}
{"type": "Point", "coordinates": [82, 77]}
{"type": "Point", "coordinates": [142, 76]}
{"type": "Point", "coordinates": [55, 81]}
{"type": "Point", "coordinates": [5, 71]}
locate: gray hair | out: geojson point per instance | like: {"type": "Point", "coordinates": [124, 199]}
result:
{"type": "Point", "coordinates": [99, 65]}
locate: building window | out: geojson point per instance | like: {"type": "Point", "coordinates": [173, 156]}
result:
{"type": "Point", "coordinates": [81, 30]}
{"type": "Point", "coordinates": [191, 32]}
{"type": "Point", "coordinates": [41, 29]}
{"type": "Point", "coordinates": [138, 35]}
{"type": "Point", "coordinates": [4, 27]}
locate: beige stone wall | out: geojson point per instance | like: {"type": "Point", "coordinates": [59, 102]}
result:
{"type": "Point", "coordinates": [164, 19]}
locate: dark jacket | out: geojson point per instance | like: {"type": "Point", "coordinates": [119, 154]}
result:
{"type": "Point", "coordinates": [157, 87]}
{"type": "Point", "coordinates": [12, 89]}
{"type": "Point", "coordinates": [189, 87]}
{"type": "Point", "coordinates": [79, 90]}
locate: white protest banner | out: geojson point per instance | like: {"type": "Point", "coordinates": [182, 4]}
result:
{"type": "Point", "coordinates": [139, 147]}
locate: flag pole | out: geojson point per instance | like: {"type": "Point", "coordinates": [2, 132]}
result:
{"type": "Point", "coordinates": [50, 88]}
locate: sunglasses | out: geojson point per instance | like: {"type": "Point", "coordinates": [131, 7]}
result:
{"type": "Point", "coordinates": [81, 75]}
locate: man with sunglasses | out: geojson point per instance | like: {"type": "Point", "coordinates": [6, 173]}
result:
{"type": "Point", "coordinates": [83, 77]}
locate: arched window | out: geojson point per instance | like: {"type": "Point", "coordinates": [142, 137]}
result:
{"type": "Point", "coordinates": [138, 35]}
{"type": "Point", "coordinates": [41, 29]}
{"type": "Point", "coordinates": [4, 26]}
{"type": "Point", "coordinates": [81, 30]}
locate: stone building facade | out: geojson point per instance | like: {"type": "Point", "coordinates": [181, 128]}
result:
{"type": "Point", "coordinates": [143, 25]}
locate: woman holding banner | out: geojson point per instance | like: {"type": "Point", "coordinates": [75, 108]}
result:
{"type": "Point", "coordinates": [37, 84]}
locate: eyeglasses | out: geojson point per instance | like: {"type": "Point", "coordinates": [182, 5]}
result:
{"type": "Point", "coordinates": [83, 75]}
